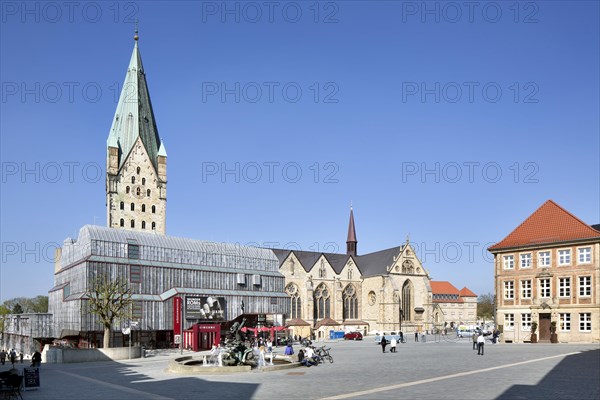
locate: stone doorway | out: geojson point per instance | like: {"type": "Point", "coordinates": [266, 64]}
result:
{"type": "Point", "coordinates": [544, 328]}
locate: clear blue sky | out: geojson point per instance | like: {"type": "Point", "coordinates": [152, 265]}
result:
{"type": "Point", "coordinates": [448, 123]}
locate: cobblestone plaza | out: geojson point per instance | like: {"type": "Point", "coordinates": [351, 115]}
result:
{"type": "Point", "coordinates": [442, 369]}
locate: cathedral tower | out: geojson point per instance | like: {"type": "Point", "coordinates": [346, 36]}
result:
{"type": "Point", "coordinates": [136, 158]}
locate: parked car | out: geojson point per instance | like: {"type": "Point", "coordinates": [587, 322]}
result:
{"type": "Point", "coordinates": [353, 336]}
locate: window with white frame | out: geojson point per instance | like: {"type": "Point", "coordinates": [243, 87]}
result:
{"type": "Point", "coordinates": [545, 287]}
{"type": "Point", "coordinates": [544, 258]}
{"type": "Point", "coordinates": [585, 286]}
{"type": "Point", "coordinates": [509, 322]}
{"type": "Point", "coordinates": [584, 255]}
{"type": "Point", "coordinates": [526, 260]}
{"type": "Point", "coordinates": [564, 257]}
{"type": "Point", "coordinates": [565, 322]}
{"type": "Point", "coordinates": [526, 289]}
{"type": "Point", "coordinates": [585, 322]}
{"type": "Point", "coordinates": [564, 287]}
{"type": "Point", "coordinates": [509, 262]}
{"type": "Point", "coordinates": [509, 290]}
{"type": "Point", "coordinates": [525, 322]}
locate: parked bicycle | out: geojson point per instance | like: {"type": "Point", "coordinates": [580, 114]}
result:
{"type": "Point", "coordinates": [323, 354]}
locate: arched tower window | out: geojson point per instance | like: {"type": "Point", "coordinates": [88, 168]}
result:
{"type": "Point", "coordinates": [143, 208]}
{"type": "Point", "coordinates": [122, 205]}
{"type": "Point", "coordinates": [148, 192]}
{"type": "Point", "coordinates": [293, 291]}
{"type": "Point", "coordinates": [138, 191]}
{"type": "Point", "coordinates": [133, 180]}
{"type": "Point", "coordinates": [349, 273]}
{"type": "Point", "coordinates": [154, 226]}
{"type": "Point", "coordinates": [350, 300]}
{"type": "Point", "coordinates": [133, 223]}
{"type": "Point", "coordinates": [153, 209]}
{"type": "Point", "coordinates": [322, 273]}
{"type": "Point", "coordinates": [132, 206]}
{"type": "Point", "coordinates": [122, 223]}
{"type": "Point", "coordinates": [143, 181]}
{"type": "Point", "coordinates": [138, 170]}
{"type": "Point", "coordinates": [143, 224]}
{"type": "Point", "coordinates": [322, 302]}
{"type": "Point", "coordinates": [127, 189]}
{"type": "Point", "coordinates": [407, 301]}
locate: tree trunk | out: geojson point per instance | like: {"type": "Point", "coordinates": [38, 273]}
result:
{"type": "Point", "coordinates": [106, 341]}
{"type": "Point", "coordinates": [533, 338]}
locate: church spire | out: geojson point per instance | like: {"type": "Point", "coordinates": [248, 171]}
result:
{"type": "Point", "coordinates": [136, 173]}
{"type": "Point", "coordinates": [351, 241]}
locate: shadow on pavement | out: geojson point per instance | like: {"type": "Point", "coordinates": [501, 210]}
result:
{"type": "Point", "coordinates": [575, 378]}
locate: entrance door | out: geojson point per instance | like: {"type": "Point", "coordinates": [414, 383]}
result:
{"type": "Point", "coordinates": [544, 328]}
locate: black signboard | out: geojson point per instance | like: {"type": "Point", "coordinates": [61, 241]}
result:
{"type": "Point", "coordinates": [205, 308]}
{"type": "Point", "coordinates": [31, 377]}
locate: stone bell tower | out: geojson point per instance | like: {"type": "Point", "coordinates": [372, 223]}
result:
{"type": "Point", "coordinates": [136, 158]}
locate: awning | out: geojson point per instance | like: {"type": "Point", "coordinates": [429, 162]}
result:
{"type": "Point", "coordinates": [68, 333]}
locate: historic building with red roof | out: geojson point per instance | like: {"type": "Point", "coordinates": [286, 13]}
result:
{"type": "Point", "coordinates": [547, 271]}
{"type": "Point", "coordinates": [453, 307]}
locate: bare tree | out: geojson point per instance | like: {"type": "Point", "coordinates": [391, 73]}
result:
{"type": "Point", "coordinates": [110, 300]}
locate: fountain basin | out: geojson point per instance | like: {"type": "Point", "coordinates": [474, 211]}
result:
{"type": "Point", "coordinates": [195, 365]}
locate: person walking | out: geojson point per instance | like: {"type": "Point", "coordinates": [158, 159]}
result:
{"type": "Point", "coordinates": [475, 336]}
{"type": "Point", "coordinates": [383, 344]}
{"type": "Point", "coordinates": [36, 359]}
{"type": "Point", "coordinates": [2, 356]}
{"type": "Point", "coordinates": [393, 343]}
{"type": "Point", "coordinates": [480, 343]}
{"type": "Point", "coordinates": [416, 336]}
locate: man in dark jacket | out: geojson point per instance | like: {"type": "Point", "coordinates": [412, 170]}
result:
{"type": "Point", "coordinates": [383, 343]}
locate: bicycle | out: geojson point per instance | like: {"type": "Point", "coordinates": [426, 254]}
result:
{"type": "Point", "coordinates": [323, 353]}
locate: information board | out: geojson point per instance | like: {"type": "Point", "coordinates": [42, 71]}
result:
{"type": "Point", "coordinates": [31, 378]}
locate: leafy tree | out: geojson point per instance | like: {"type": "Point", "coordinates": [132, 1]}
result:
{"type": "Point", "coordinates": [110, 300]}
{"type": "Point", "coordinates": [17, 309]}
{"type": "Point", "coordinates": [485, 306]}
{"type": "Point", "coordinates": [3, 312]}
{"type": "Point", "coordinates": [38, 304]}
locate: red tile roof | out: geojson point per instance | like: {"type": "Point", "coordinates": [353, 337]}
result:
{"type": "Point", "coordinates": [442, 287]}
{"type": "Point", "coordinates": [465, 292]}
{"type": "Point", "coordinates": [548, 224]}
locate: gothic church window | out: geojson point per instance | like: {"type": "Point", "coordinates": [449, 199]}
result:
{"type": "Point", "coordinates": [294, 293]}
{"type": "Point", "coordinates": [322, 302]}
{"type": "Point", "coordinates": [406, 301]}
{"type": "Point", "coordinates": [350, 303]}
{"type": "Point", "coordinates": [349, 273]}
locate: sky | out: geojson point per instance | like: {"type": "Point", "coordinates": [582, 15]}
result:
{"type": "Point", "coordinates": [447, 123]}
